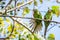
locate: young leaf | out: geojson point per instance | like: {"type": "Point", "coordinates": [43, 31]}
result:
{"type": "Point", "coordinates": [35, 3]}
{"type": "Point", "coordinates": [41, 1]}
{"type": "Point", "coordinates": [13, 36]}
{"type": "Point", "coordinates": [1, 22]}
{"type": "Point", "coordinates": [1, 29]}
{"type": "Point", "coordinates": [10, 28]}
{"type": "Point", "coordinates": [19, 37]}
{"type": "Point", "coordinates": [55, 10]}
{"type": "Point", "coordinates": [3, 2]}
{"type": "Point", "coordinates": [30, 37]}
{"type": "Point", "coordinates": [26, 10]}
{"type": "Point", "coordinates": [11, 13]}
{"type": "Point", "coordinates": [35, 37]}
{"type": "Point", "coordinates": [51, 37]}
{"type": "Point", "coordinates": [18, 4]}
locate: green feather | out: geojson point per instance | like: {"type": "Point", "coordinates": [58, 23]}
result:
{"type": "Point", "coordinates": [37, 14]}
{"type": "Point", "coordinates": [48, 16]}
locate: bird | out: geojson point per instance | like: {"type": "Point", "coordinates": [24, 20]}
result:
{"type": "Point", "coordinates": [37, 25]}
{"type": "Point", "coordinates": [48, 16]}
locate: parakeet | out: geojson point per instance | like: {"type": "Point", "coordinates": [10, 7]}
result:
{"type": "Point", "coordinates": [37, 23]}
{"type": "Point", "coordinates": [48, 16]}
{"type": "Point", "coordinates": [51, 37]}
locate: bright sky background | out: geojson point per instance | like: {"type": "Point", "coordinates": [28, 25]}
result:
{"type": "Point", "coordinates": [44, 7]}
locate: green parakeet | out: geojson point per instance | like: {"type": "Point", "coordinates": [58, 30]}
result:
{"type": "Point", "coordinates": [51, 37]}
{"type": "Point", "coordinates": [48, 16]}
{"type": "Point", "coordinates": [37, 23]}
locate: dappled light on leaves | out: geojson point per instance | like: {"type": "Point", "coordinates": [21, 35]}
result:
{"type": "Point", "coordinates": [10, 28]}
{"type": "Point", "coordinates": [26, 10]}
{"type": "Point", "coordinates": [56, 10]}
{"type": "Point", "coordinates": [35, 3]}
{"type": "Point", "coordinates": [18, 4]}
{"type": "Point", "coordinates": [1, 22]}
{"type": "Point", "coordinates": [51, 37]}
{"type": "Point", "coordinates": [41, 1]}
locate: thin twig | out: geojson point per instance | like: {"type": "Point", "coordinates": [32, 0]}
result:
{"type": "Point", "coordinates": [20, 6]}
{"type": "Point", "coordinates": [36, 19]}
{"type": "Point", "coordinates": [8, 3]}
{"type": "Point", "coordinates": [16, 6]}
{"type": "Point", "coordinates": [22, 25]}
{"type": "Point", "coordinates": [15, 9]}
{"type": "Point", "coordinates": [31, 18]}
{"type": "Point", "coordinates": [45, 32]}
{"type": "Point", "coordinates": [51, 27]}
{"type": "Point", "coordinates": [12, 30]}
{"type": "Point", "coordinates": [13, 22]}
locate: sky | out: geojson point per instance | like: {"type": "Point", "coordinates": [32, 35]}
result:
{"type": "Point", "coordinates": [44, 7]}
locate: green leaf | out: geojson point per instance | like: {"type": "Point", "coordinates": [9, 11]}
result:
{"type": "Point", "coordinates": [22, 39]}
{"type": "Point", "coordinates": [55, 10]}
{"type": "Point", "coordinates": [35, 37]}
{"type": "Point", "coordinates": [51, 37]}
{"type": "Point", "coordinates": [11, 13]}
{"type": "Point", "coordinates": [41, 1]}
{"type": "Point", "coordinates": [35, 3]}
{"type": "Point", "coordinates": [19, 37]}
{"type": "Point", "coordinates": [19, 3]}
{"type": "Point", "coordinates": [3, 2]}
{"type": "Point", "coordinates": [30, 3]}
{"type": "Point", "coordinates": [1, 29]}
{"type": "Point", "coordinates": [30, 37]}
{"type": "Point", "coordinates": [26, 10]}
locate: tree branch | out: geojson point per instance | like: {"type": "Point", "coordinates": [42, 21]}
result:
{"type": "Point", "coordinates": [15, 9]}
{"type": "Point", "coordinates": [20, 6]}
{"type": "Point", "coordinates": [8, 3]}
{"type": "Point", "coordinates": [36, 19]}
{"type": "Point", "coordinates": [32, 18]}
{"type": "Point", "coordinates": [51, 27]}
{"type": "Point", "coordinates": [13, 28]}
{"type": "Point", "coordinates": [22, 25]}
